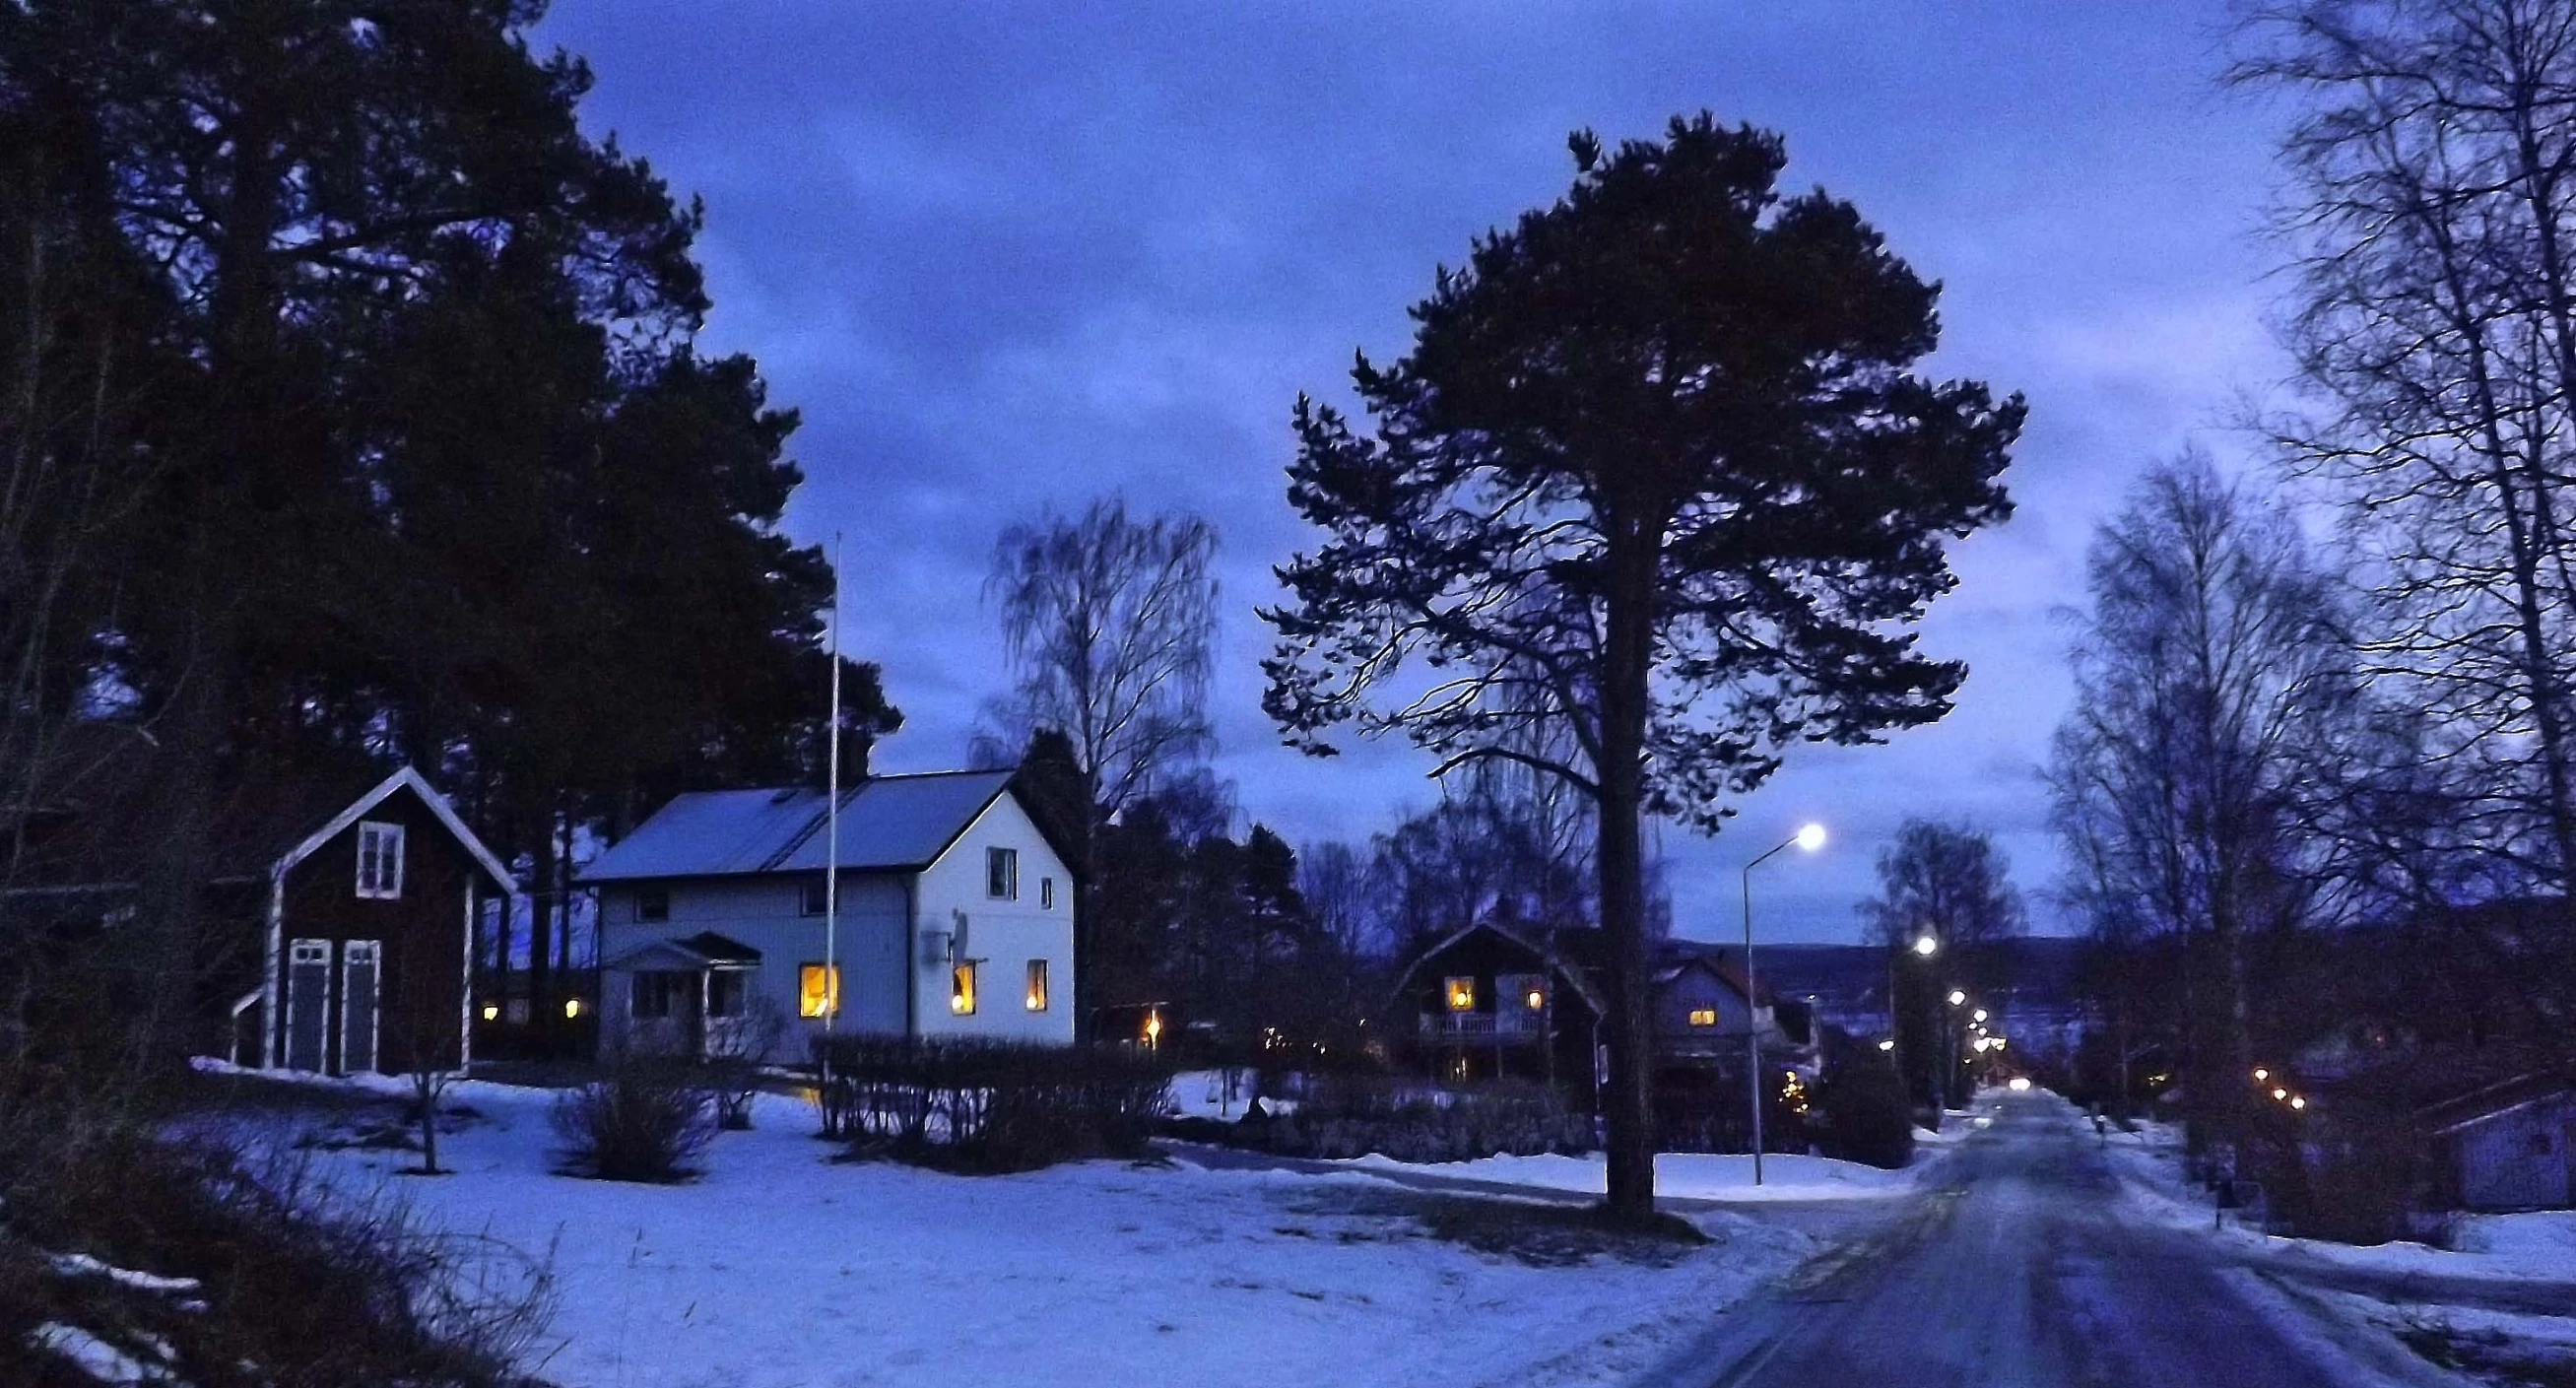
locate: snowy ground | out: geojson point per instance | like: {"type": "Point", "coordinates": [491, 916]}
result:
{"type": "Point", "coordinates": [782, 1267]}
{"type": "Point", "coordinates": [2481, 1308]}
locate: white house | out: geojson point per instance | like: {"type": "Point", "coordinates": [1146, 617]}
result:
{"type": "Point", "coordinates": [954, 916]}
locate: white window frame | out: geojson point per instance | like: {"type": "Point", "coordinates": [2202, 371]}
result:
{"type": "Point", "coordinates": [374, 953]}
{"type": "Point", "coordinates": [1008, 861]}
{"type": "Point", "coordinates": [1046, 893]}
{"type": "Point", "coordinates": [375, 839]}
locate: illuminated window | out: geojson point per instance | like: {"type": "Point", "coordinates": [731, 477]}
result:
{"type": "Point", "coordinates": [1703, 1016]}
{"type": "Point", "coordinates": [380, 860]}
{"type": "Point", "coordinates": [1462, 994]}
{"type": "Point", "coordinates": [1534, 1000]}
{"type": "Point", "coordinates": [1002, 873]}
{"type": "Point", "coordinates": [961, 989]}
{"type": "Point", "coordinates": [1037, 996]}
{"type": "Point", "coordinates": [818, 990]}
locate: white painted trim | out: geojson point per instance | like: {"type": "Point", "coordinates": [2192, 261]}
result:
{"type": "Point", "coordinates": [387, 834]}
{"type": "Point", "coordinates": [376, 1014]}
{"type": "Point", "coordinates": [322, 1062]}
{"type": "Point", "coordinates": [438, 806]}
{"type": "Point", "coordinates": [270, 1012]}
{"type": "Point", "coordinates": [465, 990]}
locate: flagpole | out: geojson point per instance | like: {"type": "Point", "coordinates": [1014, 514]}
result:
{"type": "Point", "coordinates": [832, 831]}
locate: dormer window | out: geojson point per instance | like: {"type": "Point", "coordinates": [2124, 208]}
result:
{"type": "Point", "coordinates": [380, 860]}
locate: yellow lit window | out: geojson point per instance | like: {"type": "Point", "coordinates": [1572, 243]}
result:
{"type": "Point", "coordinates": [961, 989]}
{"type": "Point", "coordinates": [1462, 994]}
{"type": "Point", "coordinates": [818, 990]}
{"type": "Point", "coordinates": [1703, 1016]}
{"type": "Point", "coordinates": [1037, 998]}
{"type": "Point", "coordinates": [1535, 999]}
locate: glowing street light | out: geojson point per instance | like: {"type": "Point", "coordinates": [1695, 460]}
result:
{"type": "Point", "coordinates": [1957, 997]}
{"type": "Point", "coordinates": [1888, 1045]}
{"type": "Point", "coordinates": [2299, 1103]}
{"type": "Point", "coordinates": [1926, 946]}
{"type": "Point", "coordinates": [1978, 1016]}
{"type": "Point", "coordinates": [1809, 838]}
{"type": "Point", "coordinates": [2261, 1074]}
{"type": "Point", "coordinates": [2280, 1093]}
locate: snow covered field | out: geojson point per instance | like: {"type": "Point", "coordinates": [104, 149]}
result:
{"type": "Point", "coordinates": [782, 1267]}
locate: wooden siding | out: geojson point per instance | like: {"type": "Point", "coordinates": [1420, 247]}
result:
{"type": "Point", "coordinates": [422, 978]}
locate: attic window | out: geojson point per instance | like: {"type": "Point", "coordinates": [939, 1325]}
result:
{"type": "Point", "coordinates": [817, 897]}
{"type": "Point", "coordinates": [1002, 874]}
{"type": "Point", "coordinates": [380, 860]}
{"type": "Point", "coordinates": [1703, 1016]}
{"type": "Point", "coordinates": [652, 903]}
{"type": "Point", "coordinates": [1461, 993]}
{"type": "Point", "coordinates": [1046, 893]}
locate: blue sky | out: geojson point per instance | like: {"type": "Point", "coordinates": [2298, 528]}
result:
{"type": "Point", "coordinates": [1009, 256]}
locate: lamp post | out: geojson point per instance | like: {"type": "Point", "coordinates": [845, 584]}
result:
{"type": "Point", "coordinates": [1924, 946]}
{"type": "Point", "coordinates": [1808, 838]}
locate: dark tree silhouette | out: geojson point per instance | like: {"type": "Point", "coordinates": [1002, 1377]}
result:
{"type": "Point", "coordinates": [1656, 475]}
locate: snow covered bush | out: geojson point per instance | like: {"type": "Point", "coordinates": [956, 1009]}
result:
{"type": "Point", "coordinates": [641, 1121]}
{"type": "Point", "coordinates": [989, 1105]}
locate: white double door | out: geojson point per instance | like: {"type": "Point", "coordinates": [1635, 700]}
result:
{"type": "Point", "coordinates": [330, 998]}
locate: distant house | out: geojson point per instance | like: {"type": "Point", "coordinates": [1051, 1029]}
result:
{"type": "Point", "coordinates": [345, 922]}
{"type": "Point", "coordinates": [2510, 1145]}
{"type": "Point", "coordinates": [953, 917]}
{"type": "Point", "coordinates": [1487, 1001]}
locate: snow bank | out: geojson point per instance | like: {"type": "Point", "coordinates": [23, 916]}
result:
{"type": "Point", "coordinates": [781, 1267]}
{"type": "Point", "coordinates": [1683, 1175]}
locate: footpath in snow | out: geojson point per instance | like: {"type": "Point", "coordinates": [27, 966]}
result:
{"type": "Point", "coordinates": [781, 1266]}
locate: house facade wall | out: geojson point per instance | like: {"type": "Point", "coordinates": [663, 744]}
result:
{"type": "Point", "coordinates": [421, 980]}
{"type": "Point", "coordinates": [2518, 1159]}
{"type": "Point", "coordinates": [1695, 989]}
{"type": "Point", "coordinates": [767, 913]}
{"type": "Point", "coordinates": [1003, 934]}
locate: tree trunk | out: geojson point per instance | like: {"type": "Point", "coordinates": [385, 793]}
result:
{"type": "Point", "coordinates": [1627, 659]}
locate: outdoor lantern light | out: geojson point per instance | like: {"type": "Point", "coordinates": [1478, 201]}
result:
{"type": "Point", "coordinates": [1537, 1000]}
{"type": "Point", "coordinates": [572, 1007]}
{"type": "Point", "coordinates": [1811, 837]}
{"type": "Point", "coordinates": [2280, 1093]}
{"type": "Point", "coordinates": [1977, 1016]}
{"type": "Point", "coordinates": [491, 1012]}
{"type": "Point", "coordinates": [2299, 1103]}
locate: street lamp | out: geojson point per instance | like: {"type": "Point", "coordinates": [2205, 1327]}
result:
{"type": "Point", "coordinates": [1809, 838]}
{"type": "Point", "coordinates": [1957, 997]}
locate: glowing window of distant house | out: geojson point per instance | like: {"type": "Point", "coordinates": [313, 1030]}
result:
{"type": "Point", "coordinates": [1462, 994]}
{"type": "Point", "coordinates": [380, 860]}
{"type": "Point", "coordinates": [818, 990]}
{"type": "Point", "coordinates": [1703, 1016]}
{"type": "Point", "coordinates": [961, 989]}
{"type": "Point", "coordinates": [1036, 1001]}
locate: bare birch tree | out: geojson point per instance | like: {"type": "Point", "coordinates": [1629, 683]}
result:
{"type": "Point", "coordinates": [1110, 624]}
{"type": "Point", "coordinates": [2433, 197]}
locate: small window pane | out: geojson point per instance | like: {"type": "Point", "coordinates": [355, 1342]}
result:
{"type": "Point", "coordinates": [1703, 1016]}
{"type": "Point", "coordinates": [817, 896]}
{"type": "Point", "coordinates": [1002, 873]}
{"type": "Point", "coordinates": [1046, 893]}
{"type": "Point", "coordinates": [1462, 994]}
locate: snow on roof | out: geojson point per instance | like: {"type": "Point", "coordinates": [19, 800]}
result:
{"type": "Point", "coordinates": [888, 823]}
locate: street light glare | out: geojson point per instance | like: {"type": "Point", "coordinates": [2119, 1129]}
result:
{"type": "Point", "coordinates": [1957, 997]}
{"type": "Point", "coordinates": [1811, 837]}
{"type": "Point", "coordinates": [1927, 946]}
{"type": "Point", "coordinates": [1977, 1016]}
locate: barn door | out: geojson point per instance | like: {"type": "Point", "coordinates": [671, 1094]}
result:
{"type": "Point", "coordinates": [358, 974]}
{"type": "Point", "coordinates": [308, 1002]}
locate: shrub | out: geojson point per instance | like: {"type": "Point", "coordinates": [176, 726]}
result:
{"type": "Point", "coordinates": [1342, 1116]}
{"type": "Point", "coordinates": [1865, 1116]}
{"type": "Point", "coordinates": [988, 1105]}
{"type": "Point", "coordinates": [642, 1121]}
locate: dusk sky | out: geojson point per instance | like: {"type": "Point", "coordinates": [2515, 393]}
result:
{"type": "Point", "coordinates": [1005, 257]}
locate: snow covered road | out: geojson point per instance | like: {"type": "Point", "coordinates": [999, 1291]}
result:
{"type": "Point", "coordinates": [2025, 1269]}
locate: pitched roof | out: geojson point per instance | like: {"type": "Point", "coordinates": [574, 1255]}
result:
{"type": "Point", "coordinates": [704, 950]}
{"type": "Point", "coordinates": [888, 824]}
{"type": "Point", "coordinates": [404, 779]}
